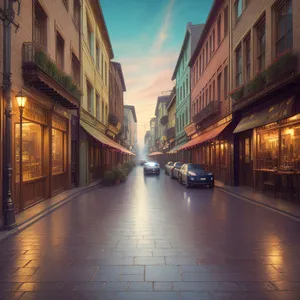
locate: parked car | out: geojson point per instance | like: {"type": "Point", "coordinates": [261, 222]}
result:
{"type": "Point", "coordinates": [168, 166]}
{"type": "Point", "coordinates": [175, 169]}
{"type": "Point", "coordinates": [151, 168]}
{"type": "Point", "coordinates": [194, 174]}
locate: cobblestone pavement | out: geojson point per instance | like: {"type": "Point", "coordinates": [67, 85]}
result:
{"type": "Point", "coordinates": [151, 238]}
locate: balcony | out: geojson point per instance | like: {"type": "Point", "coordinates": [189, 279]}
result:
{"type": "Point", "coordinates": [281, 72]}
{"type": "Point", "coordinates": [113, 119]}
{"type": "Point", "coordinates": [209, 110]}
{"type": "Point", "coordinates": [41, 72]}
{"type": "Point", "coordinates": [170, 132]}
{"type": "Point", "coordinates": [164, 120]}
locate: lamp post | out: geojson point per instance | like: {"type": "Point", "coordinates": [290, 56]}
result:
{"type": "Point", "coordinates": [21, 100]}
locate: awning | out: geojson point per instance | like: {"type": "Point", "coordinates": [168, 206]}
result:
{"type": "Point", "coordinates": [175, 149]}
{"type": "Point", "coordinates": [265, 116]}
{"type": "Point", "coordinates": [99, 136]}
{"type": "Point", "coordinates": [155, 153]}
{"type": "Point", "coordinates": [204, 137]}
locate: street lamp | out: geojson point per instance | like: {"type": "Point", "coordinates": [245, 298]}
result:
{"type": "Point", "coordinates": [21, 100]}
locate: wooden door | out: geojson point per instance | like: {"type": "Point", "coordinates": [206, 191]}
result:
{"type": "Point", "coordinates": [245, 160]}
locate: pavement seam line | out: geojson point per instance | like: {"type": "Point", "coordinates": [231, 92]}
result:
{"type": "Point", "coordinates": [263, 205]}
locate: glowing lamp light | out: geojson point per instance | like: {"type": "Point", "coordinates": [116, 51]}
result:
{"type": "Point", "coordinates": [21, 99]}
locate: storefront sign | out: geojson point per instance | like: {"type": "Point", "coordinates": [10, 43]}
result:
{"type": "Point", "coordinates": [190, 129]}
{"type": "Point", "coordinates": [60, 110]}
{"type": "Point", "coordinates": [35, 113]}
{"type": "Point", "coordinates": [59, 123]}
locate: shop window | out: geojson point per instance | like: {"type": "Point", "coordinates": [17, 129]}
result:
{"type": "Point", "coordinates": [290, 148]}
{"type": "Point", "coordinates": [32, 154]}
{"type": "Point", "coordinates": [57, 151]}
{"type": "Point", "coordinates": [60, 49]}
{"type": "Point", "coordinates": [284, 27]}
{"type": "Point", "coordinates": [212, 154]}
{"type": "Point", "coordinates": [40, 26]}
{"type": "Point", "coordinates": [76, 13]}
{"type": "Point", "coordinates": [261, 44]}
{"type": "Point", "coordinates": [267, 149]}
{"type": "Point", "coordinates": [223, 154]}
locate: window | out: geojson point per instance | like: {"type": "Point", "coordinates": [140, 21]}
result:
{"type": "Point", "coordinates": [226, 82]}
{"type": "Point", "coordinates": [238, 66]}
{"type": "Point", "coordinates": [219, 84]}
{"type": "Point", "coordinates": [207, 54]}
{"type": "Point", "coordinates": [213, 41]}
{"type": "Point", "coordinates": [76, 13]}
{"type": "Point", "coordinates": [32, 137]}
{"type": "Point", "coordinates": [214, 90]}
{"type": "Point", "coordinates": [206, 97]}
{"type": "Point", "coordinates": [97, 56]}
{"type": "Point", "coordinates": [210, 93]}
{"type": "Point", "coordinates": [225, 20]}
{"type": "Point", "coordinates": [261, 45]}
{"type": "Point", "coordinates": [187, 85]}
{"type": "Point", "coordinates": [105, 74]}
{"type": "Point", "coordinates": [102, 66]}
{"type": "Point", "coordinates": [75, 69]}
{"type": "Point", "coordinates": [60, 47]}
{"type": "Point", "coordinates": [200, 67]}
{"type": "Point", "coordinates": [284, 27]}
{"type": "Point", "coordinates": [106, 114]}
{"type": "Point", "coordinates": [89, 93]}
{"type": "Point", "coordinates": [210, 45]}
{"type": "Point", "coordinates": [90, 36]}
{"type": "Point", "coordinates": [97, 106]}
{"type": "Point", "coordinates": [65, 2]}
{"type": "Point", "coordinates": [247, 150]}
{"type": "Point", "coordinates": [247, 58]}
{"type": "Point", "coordinates": [219, 30]}
{"type": "Point", "coordinates": [196, 71]}
{"type": "Point", "coordinates": [199, 62]}
{"type": "Point", "coordinates": [238, 8]}
{"type": "Point", "coordinates": [57, 151]}
{"type": "Point", "coordinates": [40, 26]}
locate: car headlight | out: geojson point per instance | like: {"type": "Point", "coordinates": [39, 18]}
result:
{"type": "Point", "coordinates": [191, 174]}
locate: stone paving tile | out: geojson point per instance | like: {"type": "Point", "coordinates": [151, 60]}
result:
{"type": "Point", "coordinates": [284, 295]}
{"type": "Point", "coordinates": [206, 286]}
{"type": "Point", "coordinates": [40, 286]}
{"type": "Point", "coordinates": [115, 286]}
{"type": "Point", "coordinates": [140, 286]}
{"type": "Point", "coordinates": [257, 286]}
{"type": "Point", "coordinates": [4, 295]}
{"type": "Point", "coordinates": [133, 270]}
{"type": "Point", "coordinates": [198, 277]}
{"type": "Point", "coordinates": [149, 261]}
{"type": "Point", "coordinates": [163, 286]}
{"type": "Point", "coordinates": [132, 277]}
{"type": "Point", "coordinates": [286, 285]}
{"type": "Point", "coordinates": [9, 286]}
{"type": "Point", "coordinates": [180, 260]}
{"type": "Point", "coordinates": [193, 269]}
{"type": "Point", "coordinates": [195, 296]}
{"type": "Point", "coordinates": [25, 271]}
{"type": "Point", "coordinates": [240, 296]}
{"type": "Point", "coordinates": [162, 273]}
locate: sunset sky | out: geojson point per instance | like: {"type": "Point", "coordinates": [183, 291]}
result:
{"type": "Point", "coordinates": [147, 36]}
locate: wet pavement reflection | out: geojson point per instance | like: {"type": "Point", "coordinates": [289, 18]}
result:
{"type": "Point", "coordinates": [151, 238]}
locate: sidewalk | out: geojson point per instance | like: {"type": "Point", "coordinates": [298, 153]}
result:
{"type": "Point", "coordinates": [280, 205]}
{"type": "Point", "coordinates": [34, 213]}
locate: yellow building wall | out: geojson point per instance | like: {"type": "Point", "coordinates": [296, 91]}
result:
{"type": "Point", "coordinates": [171, 115]}
{"type": "Point", "coordinates": [90, 72]}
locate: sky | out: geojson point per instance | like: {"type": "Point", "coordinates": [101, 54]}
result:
{"type": "Point", "coordinates": [146, 37]}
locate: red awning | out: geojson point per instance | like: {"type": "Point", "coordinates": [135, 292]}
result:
{"type": "Point", "coordinates": [155, 153]}
{"type": "Point", "coordinates": [102, 138]}
{"type": "Point", "coordinates": [204, 137]}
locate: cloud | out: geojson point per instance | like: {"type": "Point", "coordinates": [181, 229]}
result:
{"type": "Point", "coordinates": [164, 31]}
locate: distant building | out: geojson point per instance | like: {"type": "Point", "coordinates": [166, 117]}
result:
{"type": "Point", "coordinates": [171, 111]}
{"type": "Point", "coordinates": [130, 128]}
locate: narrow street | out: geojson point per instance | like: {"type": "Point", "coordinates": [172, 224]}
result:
{"type": "Point", "coordinates": [151, 238]}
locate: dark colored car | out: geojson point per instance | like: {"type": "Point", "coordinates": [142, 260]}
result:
{"type": "Point", "coordinates": [168, 167]}
{"type": "Point", "coordinates": [175, 169]}
{"type": "Point", "coordinates": [151, 168]}
{"type": "Point", "coordinates": [194, 174]}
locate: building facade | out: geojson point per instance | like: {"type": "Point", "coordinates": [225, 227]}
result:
{"type": "Point", "coordinates": [130, 128]}
{"type": "Point", "coordinates": [171, 126]}
{"type": "Point", "coordinates": [210, 131]}
{"type": "Point", "coordinates": [45, 67]}
{"type": "Point", "coordinates": [182, 76]}
{"type": "Point", "coordinates": [153, 130]}
{"type": "Point", "coordinates": [265, 94]}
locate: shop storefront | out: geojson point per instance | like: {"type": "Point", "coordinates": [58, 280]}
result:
{"type": "Point", "coordinates": [44, 135]}
{"type": "Point", "coordinates": [270, 137]}
{"type": "Point", "coordinates": [212, 148]}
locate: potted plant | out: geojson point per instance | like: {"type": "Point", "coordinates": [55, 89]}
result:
{"type": "Point", "coordinates": [255, 85]}
{"type": "Point", "coordinates": [119, 175]}
{"type": "Point", "coordinates": [237, 94]}
{"type": "Point", "coordinates": [109, 178]}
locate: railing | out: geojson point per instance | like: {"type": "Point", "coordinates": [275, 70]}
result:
{"type": "Point", "coordinates": [211, 108]}
{"type": "Point", "coordinates": [33, 54]}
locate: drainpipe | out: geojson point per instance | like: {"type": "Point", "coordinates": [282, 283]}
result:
{"type": "Point", "coordinates": [8, 205]}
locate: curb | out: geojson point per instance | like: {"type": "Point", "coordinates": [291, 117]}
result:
{"type": "Point", "coordinates": [23, 225]}
{"type": "Point", "coordinates": [264, 205]}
